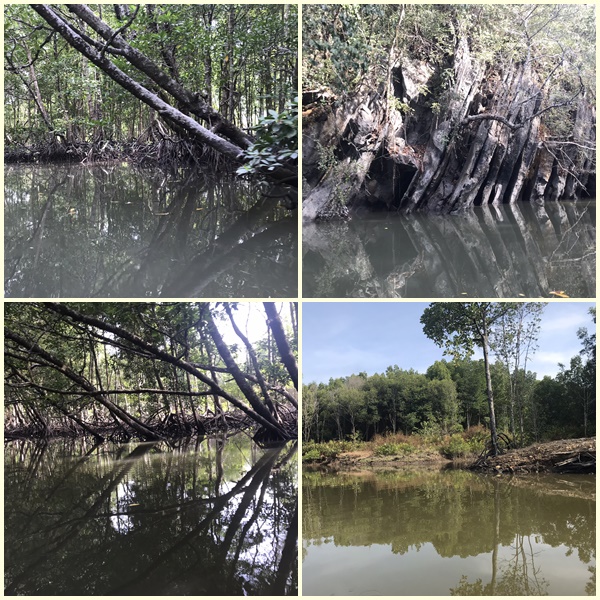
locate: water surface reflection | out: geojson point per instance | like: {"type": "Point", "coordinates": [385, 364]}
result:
{"type": "Point", "coordinates": [499, 251]}
{"type": "Point", "coordinates": [448, 533]}
{"type": "Point", "coordinates": [114, 231]}
{"type": "Point", "coordinates": [219, 518]}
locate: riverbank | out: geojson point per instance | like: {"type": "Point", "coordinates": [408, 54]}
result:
{"type": "Point", "coordinates": [559, 456]}
{"type": "Point", "coordinates": [172, 427]}
{"type": "Point", "coordinates": [150, 150]}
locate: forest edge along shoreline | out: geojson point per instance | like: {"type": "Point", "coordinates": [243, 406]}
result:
{"type": "Point", "coordinates": [559, 456]}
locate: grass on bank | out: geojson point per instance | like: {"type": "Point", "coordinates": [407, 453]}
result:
{"type": "Point", "coordinates": [469, 443]}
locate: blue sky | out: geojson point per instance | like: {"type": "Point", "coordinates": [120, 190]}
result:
{"type": "Point", "coordinates": [341, 338]}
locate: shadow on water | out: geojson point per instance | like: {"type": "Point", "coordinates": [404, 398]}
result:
{"type": "Point", "coordinates": [493, 251]}
{"type": "Point", "coordinates": [215, 518]}
{"type": "Point", "coordinates": [448, 533]}
{"type": "Point", "coordinates": [115, 231]}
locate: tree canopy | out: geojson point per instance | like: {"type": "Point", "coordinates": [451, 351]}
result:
{"type": "Point", "coordinates": [151, 370]}
{"type": "Point", "coordinates": [452, 396]}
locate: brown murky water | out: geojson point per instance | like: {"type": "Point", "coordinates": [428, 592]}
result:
{"type": "Point", "coordinates": [448, 533]}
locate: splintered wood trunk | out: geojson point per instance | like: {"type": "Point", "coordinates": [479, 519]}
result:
{"type": "Point", "coordinates": [484, 143]}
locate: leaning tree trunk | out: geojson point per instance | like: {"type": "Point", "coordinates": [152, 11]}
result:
{"type": "Point", "coordinates": [140, 428]}
{"type": "Point", "coordinates": [258, 411]}
{"type": "Point", "coordinates": [287, 357]}
{"type": "Point", "coordinates": [173, 116]}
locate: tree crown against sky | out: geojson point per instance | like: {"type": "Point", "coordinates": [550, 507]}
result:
{"type": "Point", "coordinates": [350, 337]}
{"type": "Point", "coordinates": [451, 396]}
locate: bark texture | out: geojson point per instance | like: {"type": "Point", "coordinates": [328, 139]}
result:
{"type": "Point", "coordinates": [482, 141]}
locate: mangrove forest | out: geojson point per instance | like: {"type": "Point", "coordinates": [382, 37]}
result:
{"type": "Point", "coordinates": [150, 449]}
{"type": "Point", "coordinates": [412, 113]}
{"type": "Point", "coordinates": [463, 406]}
{"type": "Point", "coordinates": [123, 371]}
{"type": "Point", "coordinates": [177, 132]}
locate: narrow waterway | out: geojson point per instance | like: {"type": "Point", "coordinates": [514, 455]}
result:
{"type": "Point", "coordinates": [213, 517]}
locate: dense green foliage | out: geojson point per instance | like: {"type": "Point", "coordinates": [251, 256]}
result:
{"type": "Point", "coordinates": [240, 58]}
{"type": "Point", "coordinates": [451, 397]}
{"type": "Point", "coordinates": [276, 143]}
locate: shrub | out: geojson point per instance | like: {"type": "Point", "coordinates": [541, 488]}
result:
{"type": "Point", "coordinates": [312, 455]}
{"type": "Point", "coordinates": [276, 141]}
{"type": "Point", "coordinates": [455, 447]}
{"type": "Point", "coordinates": [477, 437]}
{"type": "Point", "coordinates": [391, 449]}
{"type": "Point", "coordinates": [312, 451]}
{"type": "Point", "coordinates": [431, 432]}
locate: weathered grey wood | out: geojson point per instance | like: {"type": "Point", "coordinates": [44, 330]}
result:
{"type": "Point", "coordinates": [461, 156]}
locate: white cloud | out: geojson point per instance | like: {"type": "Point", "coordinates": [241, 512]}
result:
{"type": "Point", "coordinates": [336, 362]}
{"type": "Point", "coordinates": [566, 322]}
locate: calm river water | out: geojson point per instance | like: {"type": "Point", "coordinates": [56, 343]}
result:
{"type": "Point", "coordinates": [214, 518]}
{"type": "Point", "coordinates": [448, 533]}
{"type": "Point", "coordinates": [114, 231]}
{"type": "Point", "coordinates": [511, 251]}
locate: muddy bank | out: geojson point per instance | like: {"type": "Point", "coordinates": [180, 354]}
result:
{"type": "Point", "coordinates": [560, 456]}
{"type": "Point", "coordinates": [360, 460]}
{"type": "Point", "coordinates": [172, 427]}
{"type": "Point", "coordinates": [143, 152]}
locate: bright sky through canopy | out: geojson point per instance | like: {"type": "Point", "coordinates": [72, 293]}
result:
{"type": "Point", "coordinates": [341, 338]}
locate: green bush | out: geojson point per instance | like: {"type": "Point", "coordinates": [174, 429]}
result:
{"type": "Point", "coordinates": [312, 455]}
{"type": "Point", "coordinates": [476, 437]}
{"type": "Point", "coordinates": [313, 451]}
{"type": "Point", "coordinates": [391, 449]}
{"type": "Point", "coordinates": [455, 447]}
{"type": "Point", "coordinates": [276, 142]}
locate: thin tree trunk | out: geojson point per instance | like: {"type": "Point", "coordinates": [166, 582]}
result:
{"type": "Point", "coordinates": [490, 394]}
{"type": "Point", "coordinates": [287, 358]}
{"type": "Point", "coordinates": [33, 348]}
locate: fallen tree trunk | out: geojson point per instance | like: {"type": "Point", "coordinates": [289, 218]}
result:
{"type": "Point", "coordinates": [174, 117]}
{"type": "Point", "coordinates": [562, 456]}
{"type": "Point", "coordinates": [194, 102]}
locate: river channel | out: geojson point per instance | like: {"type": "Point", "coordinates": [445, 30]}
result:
{"type": "Point", "coordinates": [448, 532]}
{"type": "Point", "coordinates": [214, 517]}
{"type": "Point", "coordinates": [508, 251]}
{"type": "Point", "coordinates": [117, 231]}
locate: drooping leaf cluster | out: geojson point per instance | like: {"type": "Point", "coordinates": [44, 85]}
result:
{"type": "Point", "coordinates": [276, 141]}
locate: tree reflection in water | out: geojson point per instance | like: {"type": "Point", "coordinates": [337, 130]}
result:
{"type": "Point", "coordinates": [435, 533]}
{"type": "Point", "coordinates": [215, 519]}
{"type": "Point", "coordinates": [494, 251]}
{"type": "Point", "coordinates": [114, 231]}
